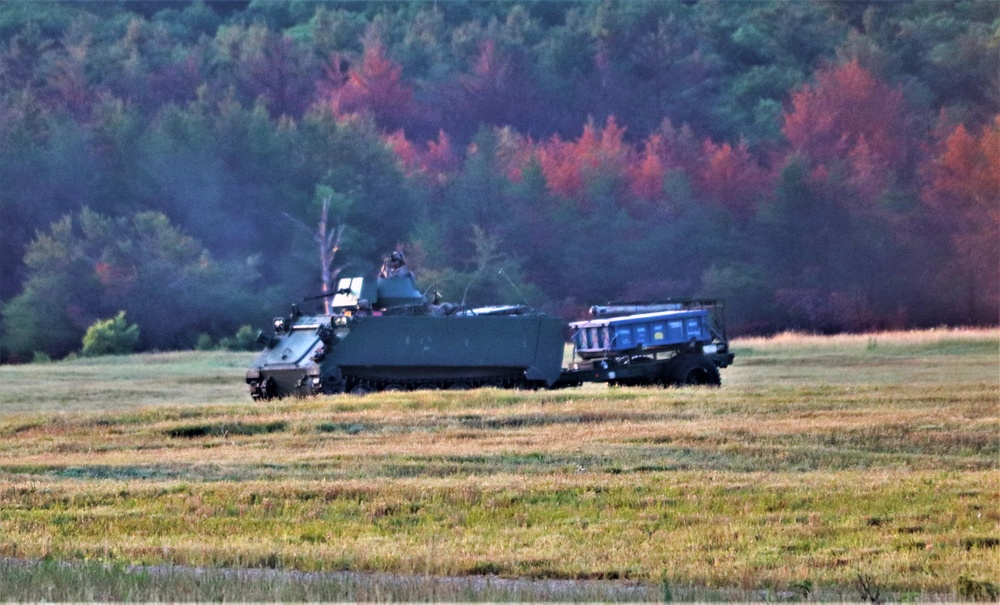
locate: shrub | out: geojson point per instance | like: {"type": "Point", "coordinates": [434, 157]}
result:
{"type": "Point", "coordinates": [204, 342]}
{"type": "Point", "coordinates": [245, 339]}
{"type": "Point", "coordinates": [110, 337]}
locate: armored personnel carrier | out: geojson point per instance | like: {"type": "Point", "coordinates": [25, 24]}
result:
{"type": "Point", "coordinates": [385, 336]}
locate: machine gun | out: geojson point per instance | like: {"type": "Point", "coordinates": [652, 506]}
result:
{"type": "Point", "coordinates": [327, 294]}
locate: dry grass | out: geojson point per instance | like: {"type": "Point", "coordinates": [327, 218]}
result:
{"type": "Point", "coordinates": [933, 336]}
{"type": "Point", "coordinates": [114, 383]}
{"type": "Point", "coordinates": [820, 459]}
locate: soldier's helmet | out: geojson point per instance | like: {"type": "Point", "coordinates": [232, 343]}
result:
{"type": "Point", "coordinates": [397, 256]}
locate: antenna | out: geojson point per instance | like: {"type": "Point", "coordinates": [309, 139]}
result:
{"type": "Point", "coordinates": [512, 285]}
{"type": "Point", "coordinates": [466, 292]}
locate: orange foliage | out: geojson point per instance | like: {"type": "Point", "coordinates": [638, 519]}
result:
{"type": "Point", "coordinates": [869, 171]}
{"type": "Point", "coordinates": [667, 149]}
{"type": "Point", "coordinates": [967, 171]}
{"type": "Point", "coordinates": [440, 156]}
{"type": "Point", "coordinates": [847, 103]}
{"type": "Point", "coordinates": [438, 159]}
{"type": "Point", "coordinates": [732, 178]}
{"type": "Point", "coordinates": [376, 86]}
{"type": "Point", "coordinates": [851, 118]}
{"type": "Point", "coordinates": [646, 177]}
{"type": "Point", "coordinates": [567, 165]}
{"type": "Point", "coordinates": [405, 150]}
{"type": "Point", "coordinates": [963, 189]}
{"type": "Point", "coordinates": [561, 167]}
{"type": "Point", "coordinates": [610, 153]}
{"type": "Point", "coordinates": [514, 152]}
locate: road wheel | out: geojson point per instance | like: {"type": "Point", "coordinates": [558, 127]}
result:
{"type": "Point", "coordinates": [694, 370]}
{"type": "Point", "coordinates": [393, 387]}
{"type": "Point", "coordinates": [361, 389]}
{"type": "Point", "coordinates": [269, 390]}
{"type": "Point", "coordinates": [332, 386]}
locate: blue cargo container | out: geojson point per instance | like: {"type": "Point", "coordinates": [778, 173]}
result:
{"type": "Point", "coordinates": [644, 332]}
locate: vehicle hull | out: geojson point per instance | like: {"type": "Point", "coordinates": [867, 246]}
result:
{"type": "Point", "coordinates": [410, 352]}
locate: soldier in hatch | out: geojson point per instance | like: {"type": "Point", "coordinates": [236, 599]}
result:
{"type": "Point", "coordinates": [395, 266]}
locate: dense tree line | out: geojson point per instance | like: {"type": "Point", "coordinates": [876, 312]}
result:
{"type": "Point", "coordinates": [829, 165]}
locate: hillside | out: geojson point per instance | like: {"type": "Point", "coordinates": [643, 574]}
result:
{"type": "Point", "coordinates": [825, 166]}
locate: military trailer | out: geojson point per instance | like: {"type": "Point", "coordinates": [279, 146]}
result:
{"type": "Point", "coordinates": [385, 336]}
{"type": "Point", "coordinates": [674, 343]}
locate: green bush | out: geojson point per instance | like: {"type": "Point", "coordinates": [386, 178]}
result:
{"type": "Point", "coordinates": [245, 339]}
{"type": "Point", "coordinates": [204, 342]}
{"type": "Point", "coordinates": [110, 337]}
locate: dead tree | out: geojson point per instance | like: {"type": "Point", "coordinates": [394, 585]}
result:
{"type": "Point", "coordinates": [327, 238]}
{"type": "Point", "coordinates": [328, 241]}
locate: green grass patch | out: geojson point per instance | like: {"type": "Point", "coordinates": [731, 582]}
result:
{"type": "Point", "coordinates": [226, 429]}
{"type": "Point", "coordinates": [349, 428]}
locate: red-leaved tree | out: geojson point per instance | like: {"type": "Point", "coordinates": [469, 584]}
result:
{"type": "Point", "coordinates": [375, 86]}
{"type": "Point", "coordinates": [646, 174]}
{"type": "Point", "coordinates": [436, 161]}
{"type": "Point", "coordinates": [732, 178]}
{"type": "Point", "coordinates": [851, 123]}
{"type": "Point", "coordinates": [962, 190]}
{"type": "Point", "coordinates": [599, 153]}
{"type": "Point", "coordinates": [405, 150]}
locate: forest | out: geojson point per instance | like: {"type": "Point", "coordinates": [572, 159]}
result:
{"type": "Point", "coordinates": [824, 166]}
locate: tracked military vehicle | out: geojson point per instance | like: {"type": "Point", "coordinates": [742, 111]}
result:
{"type": "Point", "coordinates": [385, 336]}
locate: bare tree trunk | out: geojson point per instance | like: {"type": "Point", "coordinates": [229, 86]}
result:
{"type": "Point", "coordinates": [328, 241]}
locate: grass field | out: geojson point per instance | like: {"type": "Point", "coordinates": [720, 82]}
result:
{"type": "Point", "coordinates": [825, 468]}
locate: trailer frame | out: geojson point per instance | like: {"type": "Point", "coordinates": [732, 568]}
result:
{"type": "Point", "coordinates": [679, 363]}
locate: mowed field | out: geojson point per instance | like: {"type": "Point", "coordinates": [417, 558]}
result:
{"type": "Point", "coordinates": [825, 468]}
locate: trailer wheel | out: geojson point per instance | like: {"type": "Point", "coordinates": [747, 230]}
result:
{"type": "Point", "coordinates": [693, 370]}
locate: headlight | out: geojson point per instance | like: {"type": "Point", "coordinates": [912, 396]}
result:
{"type": "Point", "coordinates": [279, 325]}
{"type": "Point", "coordinates": [340, 322]}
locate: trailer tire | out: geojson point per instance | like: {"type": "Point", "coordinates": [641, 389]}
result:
{"type": "Point", "coordinates": [694, 370]}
